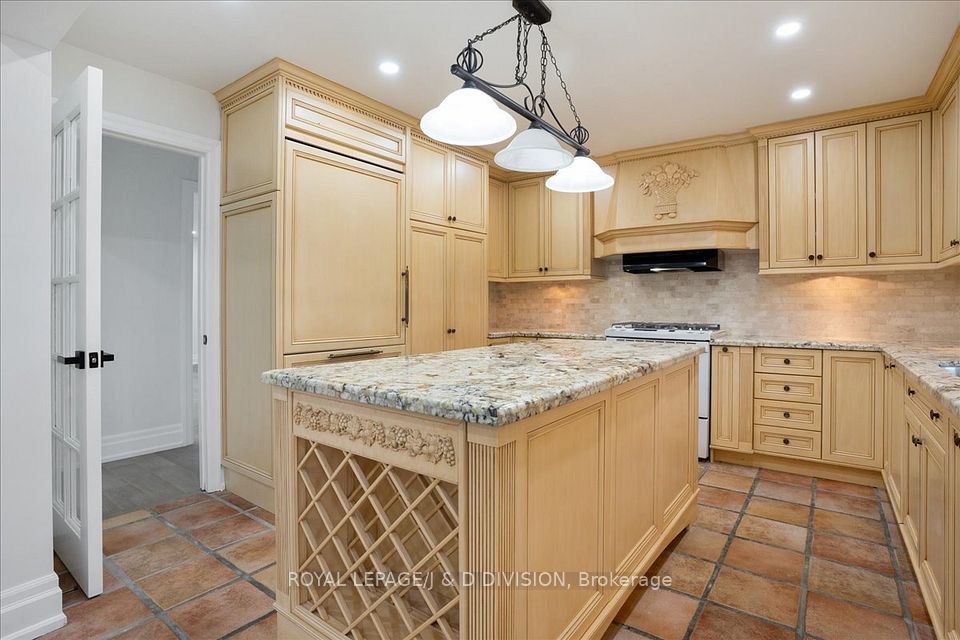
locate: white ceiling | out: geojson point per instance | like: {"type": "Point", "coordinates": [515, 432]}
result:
{"type": "Point", "coordinates": [640, 73]}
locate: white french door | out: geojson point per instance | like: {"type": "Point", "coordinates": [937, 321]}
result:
{"type": "Point", "coordinates": [75, 329]}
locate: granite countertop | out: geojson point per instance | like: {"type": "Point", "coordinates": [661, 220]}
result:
{"type": "Point", "coordinates": [560, 335]}
{"type": "Point", "coordinates": [489, 385]}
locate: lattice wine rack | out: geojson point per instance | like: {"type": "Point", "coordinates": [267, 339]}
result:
{"type": "Point", "coordinates": [358, 515]}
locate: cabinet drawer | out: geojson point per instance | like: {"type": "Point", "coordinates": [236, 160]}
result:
{"type": "Point", "coordinates": [928, 412]}
{"type": "Point", "coordinates": [789, 442]}
{"type": "Point", "coordinates": [343, 355]}
{"type": "Point", "coordinates": [807, 362]}
{"type": "Point", "coordinates": [794, 415]}
{"type": "Point", "coordinates": [772, 386]}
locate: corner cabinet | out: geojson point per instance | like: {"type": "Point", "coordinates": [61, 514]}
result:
{"type": "Point", "coordinates": [447, 187]}
{"type": "Point", "coordinates": [549, 234]}
{"type": "Point", "coordinates": [448, 290]}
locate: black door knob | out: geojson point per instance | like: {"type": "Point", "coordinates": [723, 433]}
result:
{"type": "Point", "coordinates": [540, 269]}
{"type": "Point", "coordinates": [786, 414]}
{"type": "Point", "coordinates": [786, 361]}
{"type": "Point", "coordinates": [934, 415]}
{"type": "Point", "coordinates": [786, 387]}
{"type": "Point", "coordinates": [810, 257]}
{"type": "Point", "coordinates": [724, 349]}
{"type": "Point", "coordinates": [872, 254]}
{"type": "Point", "coordinates": [454, 218]}
{"type": "Point", "coordinates": [786, 441]}
{"type": "Point", "coordinates": [910, 391]}
{"type": "Point", "coordinates": [819, 256]}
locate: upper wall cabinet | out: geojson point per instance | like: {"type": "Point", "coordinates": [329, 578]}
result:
{"type": "Point", "coordinates": [497, 230]}
{"type": "Point", "coordinates": [674, 198]}
{"type": "Point", "coordinates": [446, 187]}
{"type": "Point", "coordinates": [946, 178]}
{"type": "Point", "coordinates": [549, 234]}
{"type": "Point", "coordinates": [848, 198]}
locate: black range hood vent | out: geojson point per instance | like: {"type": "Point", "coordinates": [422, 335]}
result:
{"type": "Point", "coordinates": [660, 261]}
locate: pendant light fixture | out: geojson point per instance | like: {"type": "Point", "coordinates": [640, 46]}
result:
{"type": "Point", "coordinates": [470, 117]}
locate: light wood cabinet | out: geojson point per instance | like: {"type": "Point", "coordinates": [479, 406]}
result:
{"type": "Point", "coordinates": [934, 509]}
{"type": "Point", "coordinates": [731, 423]}
{"type": "Point", "coordinates": [792, 226]}
{"type": "Point", "coordinates": [912, 496]}
{"type": "Point", "coordinates": [841, 190]}
{"type": "Point", "coordinates": [898, 190]}
{"type": "Point", "coordinates": [853, 408]}
{"type": "Point", "coordinates": [497, 230]}
{"type": "Point", "coordinates": [549, 234]}
{"type": "Point", "coordinates": [953, 612]}
{"type": "Point", "coordinates": [895, 439]}
{"type": "Point", "coordinates": [447, 187]}
{"type": "Point", "coordinates": [946, 177]}
{"type": "Point", "coordinates": [448, 284]}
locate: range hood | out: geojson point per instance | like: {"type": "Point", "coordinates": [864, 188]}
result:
{"type": "Point", "coordinates": [660, 261]}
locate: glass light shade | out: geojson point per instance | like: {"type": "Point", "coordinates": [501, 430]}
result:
{"type": "Point", "coordinates": [468, 117]}
{"type": "Point", "coordinates": [533, 150]}
{"type": "Point", "coordinates": [582, 176]}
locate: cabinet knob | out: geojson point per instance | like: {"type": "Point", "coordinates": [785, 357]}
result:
{"type": "Point", "coordinates": [934, 415]}
{"type": "Point", "coordinates": [454, 218]}
{"type": "Point", "coordinates": [956, 439]}
{"type": "Point", "coordinates": [546, 269]}
{"type": "Point", "coordinates": [910, 391]}
{"type": "Point", "coordinates": [786, 441]}
{"type": "Point", "coordinates": [724, 349]}
{"type": "Point", "coordinates": [451, 330]}
{"type": "Point", "coordinates": [540, 269]}
{"type": "Point", "coordinates": [449, 218]}
{"type": "Point", "coordinates": [916, 441]}
{"type": "Point", "coordinates": [786, 361]}
{"type": "Point", "coordinates": [786, 387]}
{"type": "Point", "coordinates": [786, 414]}
{"type": "Point", "coordinates": [810, 257]}
{"type": "Point", "coordinates": [819, 256]}
{"type": "Point", "coordinates": [872, 254]}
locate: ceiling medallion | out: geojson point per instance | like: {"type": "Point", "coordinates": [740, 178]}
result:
{"type": "Point", "coordinates": [664, 182]}
{"type": "Point", "coordinates": [470, 116]}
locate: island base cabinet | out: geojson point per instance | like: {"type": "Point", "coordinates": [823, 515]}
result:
{"type": "Point", "coordinates": [578, 495]}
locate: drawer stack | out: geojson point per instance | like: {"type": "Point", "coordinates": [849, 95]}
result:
{"type": "Point", "coordinates": [787, 397]}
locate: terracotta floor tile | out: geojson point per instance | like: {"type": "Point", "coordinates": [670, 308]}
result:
{"type": "Point", "coordinates": [662, 613]}
{"type": "Point", "coordinates": [772, 562]}
{"type": "Point", "coordinates": [855, 584]}
{"type": "Point", "coordinates": [715, 519]}
{"type": "Point", "coordinates": [847, 525]}
{"type": "Point", "coordinates": [181, 502]}
{"type": "Point", "coordinates": [265, 629]}
{"type": "Point", "coordinates": [768, 599]}
{"type": "Point", "coordinates": [797, 514]}
{"type": "Point", "coordinates": [199, 514]}
{"type": "Point", "coordinates": [110, 581]}
{"type": "Point", "coordinates": [140, 562]}
{"type": "Point", "coordinates": [888, 513]}
{"type": "Point", "coordinates": [125, 518]}
{"type": "Point", "coordinates": [849, 505]}
{"type": "Point", "coordinates": [896, 538]}
{"type": "Point", "coordinates": [847, 488]}
{"type": "Point", "coordinates": [702, 543]}
{"type": "Point", "coordinates": [153, 630]}
{"type": "Point", "coordinates": [785, 492]}
{"type": "Point", "coordinates": [252, 553]}
{"type": "Point", "coordinates": [241, 503]}
{"type": "Point", "coordinates": [718, 623]}
{"type": "Point", "coordinates": [779, 534]}
{"type": "Point", "coordinates": [127, 536]}
{"type": "Point", "coordinates": [721, 498]}
{"type": "Point", "coordinates": [727, 481]}
{"type": "Point", "coordinates": [223, 532]}
{"type": "Point", "coordinates": [907, 573]}
{"type": "Point", "coordinates": [267, 577]}
{"type": "Point", "coordinates": [786, 478]}
{"type": "Point", "coordinates": [925, 632]}
{"type": "Point", "coordinates": [687, 574]}
{"type": "Point", "coordinates": [833, 619]}
{"type": "Point", "coordinates": [263, 514]}
{"type": "Point", "coordinates": [735, 469]}
{"type": "Point", "coordinates": [72, 598]}
{"type": "Point", "coordinates": [178, 584]}
{"type": "Point", "coordinates": [861, 553]}
{"type": "Point", "coordinates": [915, 603]}
{"type": "Point", "coordinates": [221, 611]}
{"type": "Point", "coordinates": [100, 615]}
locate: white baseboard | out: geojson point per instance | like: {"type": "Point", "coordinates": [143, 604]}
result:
{"type": "Point", "coordinates": [31, 609]}
{"type": "Point", "coordinates": [137, 443]}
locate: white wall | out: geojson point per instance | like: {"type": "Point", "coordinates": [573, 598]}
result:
{"type": "Point", "coordinates": [30, 600]}
{"type": "Point", "coordinates": [140, 94]}
{"type": "Point", "coordinates": [146, 299]}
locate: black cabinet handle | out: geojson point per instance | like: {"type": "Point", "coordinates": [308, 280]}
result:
{"type": "Point", "coordinates": [451, 330]}
{"type": "Point", "coordinates": [786, 441]}
{"type": "Point", "coordinates": [819, 256]}
{"type": "Point", "coordinates": [934, 415]}
{"type": "Point", "coordinates": [786, 414]}
{"type": "Point", "coordinates": [916, 441]}
{"type": "Point", "coordinates": [724, 349]}
{"type": "Point", "coordinates": [78, 359]}
{"type": "Point", "coordinates": [956, 439]}
{"type": "Point", "coordinates": [810, 257]}
{"type": "Point", "coordinates": [405, 274]}
{"type": "Point", "coordinates": [786, 387]}
{"type": "Point", "coordinates": [910, 391]}
{"type": "Point", "coordinates": [540, 269]}
{"type": "Point", "coordinates": [786, 361]}
{"type": "Point", "coordinates": [546, 269]}
{"type": "Point", "coordinates": [872, 254]}
{"type": "Point", "coordinates": [354, 354]}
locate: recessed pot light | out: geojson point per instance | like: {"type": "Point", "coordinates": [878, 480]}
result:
{"type": "Point", "coordinates": [788, 29]}
{"type": "Point", "coordinates": [389, 68]}
{"type": "Point", "coordinates": [801, 94]}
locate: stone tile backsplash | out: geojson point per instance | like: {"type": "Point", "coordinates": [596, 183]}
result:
{"type": "Point", "coordinates": [920, 306]}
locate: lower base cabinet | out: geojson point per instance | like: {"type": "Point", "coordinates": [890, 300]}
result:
{"type": "Point", "coordinates": [953, 611]}
{"type": "Point", "coordinates": [853, 408]}
{"type": "Point", "coordinates": [895, 439]}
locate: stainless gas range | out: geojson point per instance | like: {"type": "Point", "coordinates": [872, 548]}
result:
{"type": "Point", "coordinates": [683, 333]}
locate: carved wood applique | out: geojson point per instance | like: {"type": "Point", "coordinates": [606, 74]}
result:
{"type": "Point", "coordinates": [664, 182]}
{"type": "Point", "coordinates": [433, 447]}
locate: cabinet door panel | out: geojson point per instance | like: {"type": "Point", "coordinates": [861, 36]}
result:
{"type": "Point", "coordinates": [469, 193]}
{"type": "Point", "coordinates": [933, 525]}
{"type": "Point", "coordinates": [343, 244]}
{"type": "Point", "coordinates": [428, 289]}
{"type": "Point", "coordinates": [946, 179]}
{"type": "Point", "coordinates": [676, 440]}
{"type": "Point", "coordinates": [564, 234]}
{"type": "Point", "coordinates": [428, 177]}
{"type": "Point", "coordinates": [792, 203]}
{"type": "Point", "coordinates": [725, 397]}
{"type": "Point", "coordinates": [526, 220]}
{"type": "Point", "coordinates": [841, 186]}
{"type": "Point", "coordinates": [914, 484]}
{"type": "Point", "coordinates": [853, 408]}
{"type": "Point", "coordinates": [497, 230]}
{"type": "Point", "coordinates": [955, 501]}
{"type": "Point", "coordinates": [895, 439]}
{"type": "Point", "coordinates": [898, 189]}
{"type": "Point", "coordinates": [468, 291]}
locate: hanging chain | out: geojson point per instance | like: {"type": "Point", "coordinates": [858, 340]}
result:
{"type": "Point", "coordinates": [480, 36]}
{"type": "Point", "coordinates": [545, 45]}
{"type": "Point", "coordinates": [523, 34]}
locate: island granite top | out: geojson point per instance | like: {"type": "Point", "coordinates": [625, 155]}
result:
{"type": "Point", "coordinates": [493, 385]}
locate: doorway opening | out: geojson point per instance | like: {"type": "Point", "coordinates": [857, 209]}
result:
{"type": "Point", "coordinates": [150, 310]}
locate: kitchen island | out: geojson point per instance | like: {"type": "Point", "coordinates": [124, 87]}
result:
{"type": "Point", "coordinates": [513, 491]}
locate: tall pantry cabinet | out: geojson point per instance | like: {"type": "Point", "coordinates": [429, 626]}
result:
{"type": "Point", "coordinates": [315, 262]}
